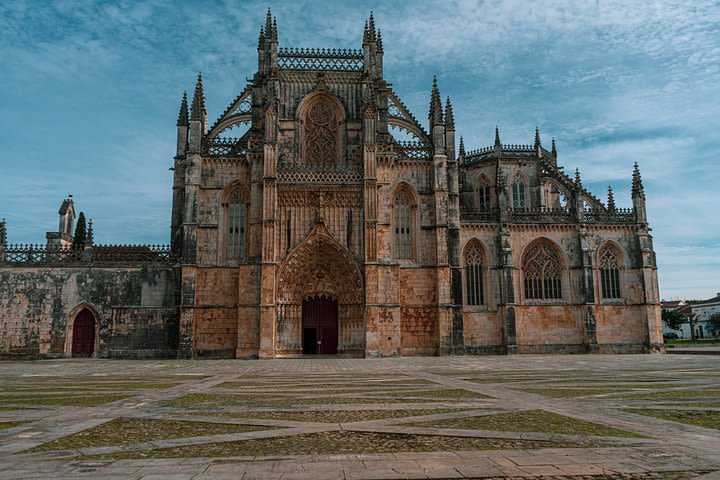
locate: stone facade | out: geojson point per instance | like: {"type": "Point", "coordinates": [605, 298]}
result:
{"type": "Point", "coordinates": [304, 215]}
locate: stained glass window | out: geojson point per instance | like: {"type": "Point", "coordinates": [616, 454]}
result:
{"type": "Point", "coordinates": [518, 191]}
{"type": "Point", "coordinates": [541, 271]}
{"type": "Point", "coordinates": [236, 227]}
{"type": "Point", "coordinates": [474, 276]}
{"type": "Point", "coordinates": [403, 225]}
{"type": "Point", "coordinates": [609, 273]}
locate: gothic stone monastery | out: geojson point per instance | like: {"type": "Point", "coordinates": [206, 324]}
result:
{"type": "Point", "coordinates": [305, 222]}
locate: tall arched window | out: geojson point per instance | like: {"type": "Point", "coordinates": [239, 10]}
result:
{"type": "Point", "coordinates": [404, 228]}
{"type": "Point", "coordinates": [321, 134]}
{"type": "Point", "coordinates": [236, 223]}
{"type": "Point", "coordinates": [541, 272]}
{"type": "Point", "coordinates": [518, 192]}
{"type": "Point", "coordinates": [609, 272]}
{"type": "Point", "coordinates": [474, 291]}
{"type": "Point", "coordinates": [484, 195]}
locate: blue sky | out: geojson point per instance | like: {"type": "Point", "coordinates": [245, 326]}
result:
{"type": "Point", "coordinates": [89, 94]}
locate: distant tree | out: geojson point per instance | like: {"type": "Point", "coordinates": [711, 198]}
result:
{"type": "Point", "coordinates": [80, 233]}
{"type": "Point", "coordinates": [692, 318]}
{"type": "Point", "coordinates": [673, 319]}
{"type": "Point", "coordinates": [714, 324]}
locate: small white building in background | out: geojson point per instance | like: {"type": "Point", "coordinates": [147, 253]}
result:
{"type": "Point", "coordinates": [702, 312]}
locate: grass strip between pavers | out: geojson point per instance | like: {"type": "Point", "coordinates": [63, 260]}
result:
{"type": "Point", "coordinates": [440, 393]}
{"type": "Point", "coordinates": [74, 400]}
{"type": "Point", "coordinates": [10, 424]}
{"type": "Point", "coordinates": [529, 421]}
{"type": "Point", "coordinates": [570, 392]}
{"type": "Point", "coordinates": [343, 442]}
{"type": "Point", "coordinates": [123, 431]}
{"type": "Point", "coordinates": [332, 416]}
{"type": "Point", "coordinates": [259, 400]}
{"type": "Point", "coordinates": [692, 417]}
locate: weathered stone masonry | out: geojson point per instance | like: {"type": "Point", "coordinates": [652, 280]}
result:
{"type": "Point", "coordinates": [318, 215]}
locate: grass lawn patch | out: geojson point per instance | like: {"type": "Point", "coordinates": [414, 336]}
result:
{"type": "Point", "coordinates": [443, 393]}
{"type": "Point", "coordinates": [123, 431]}
{"type": "Point", "coordinates": [296, 385]}
{"type": "Point", "coordinates": [83, 387]}
{"type": "Point", "coordinates": [571, 392]}
{"type": "Point", "coordinates": [529, 421]}
{"type": "Point", "coordinates": [333, 443]}
{"type": "Point", "coordinates": [670, 394]}
{"type": "Point", "coordinates": [262, 400]}
{"type": "Point", "coordinates": [75, 400]}
{"type": "Point", "coordinates": [334, 416]}
{"type": "Point", "coordinates": [692, 417]}
{"type": "Point", "coordinates": [10, 424]}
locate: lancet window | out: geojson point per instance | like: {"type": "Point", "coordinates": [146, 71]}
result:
{"type": "Point", "coordinates": [542, 271]}
{"type": "Point", "coordinates": [484, 196]}
{"type": "Point", "coordinates": [518, 193]}
{"type": "Point", "coordinates": [321, 134]}
{"type": "Point", "coordinates": [609, 273]}
{"type": "Point", "coordinates": [404, 227]}
{"type": "Point", "coordinates": [237, 225]}
{"type": "Point", "coordinates": [474, 291]}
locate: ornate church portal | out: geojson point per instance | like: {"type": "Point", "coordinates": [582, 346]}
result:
{"type": "Point", "coordinates": [320, 307]}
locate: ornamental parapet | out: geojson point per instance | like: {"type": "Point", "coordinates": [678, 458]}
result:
{"type": "Point", "coordinates": [225, 147]}
{"type": "Point", "coordinates": [319, 173]}
{"type": "Point", "coordinates": [40, 254]}
{"type": "Point", "coordinates": [542, 215]}
{"type": "Point", "coordinates": [472, 215]}
{"type": "Point", "coordinates": [601, 216]}
{"type": "Point", "coordinates": [321, 59]}
{"type": "Point", "coordinates": [506, 150]}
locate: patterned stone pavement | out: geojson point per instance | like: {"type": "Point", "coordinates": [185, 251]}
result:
{"type": "Point", "coordinates": [588, 416]}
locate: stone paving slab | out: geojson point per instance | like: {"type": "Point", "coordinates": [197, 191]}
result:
{"type": "Point", "coordinates": [670, 446]}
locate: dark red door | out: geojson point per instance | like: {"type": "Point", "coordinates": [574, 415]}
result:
{"type": "Point", "coordinates": [83, 334]}
{"type": "Point", "coordinates": [321, 315]}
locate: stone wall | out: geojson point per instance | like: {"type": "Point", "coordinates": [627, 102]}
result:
{"type": "Point", "coordinates": [135, 308]}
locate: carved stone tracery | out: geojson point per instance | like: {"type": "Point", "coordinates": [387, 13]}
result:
{"type": "Point", "coordinates": [321, 135]}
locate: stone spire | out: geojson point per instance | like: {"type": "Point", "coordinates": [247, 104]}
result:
{"type": "Point", "coordinates": [461, 147]}
{"type": "Point", "coordinates": [198, 110]}
{"type": "Point", "coordinates": [449, 117]}
{"type": "Point", "coordinates": [436, 113]}
{"type": "Point", "coordinates": [610, 200]}
{"type": "Point", "coordinates": [553, 151]}
{"type": "Point", "coordinates": [638, 191]}
{"type": "Point", "coordinates": [537, 137]}
{"type": "Point", "coordinates": [371, 27]}
{"type": "Point", "coordinates": [379, 42]}
{"type": "Point", "coordinates": [183, 119]}
{"type": "Point", "coordinates": [366, 33]}
{"type": "Point", "coordinates": [268, 23]}
{"type": "Point", "coordinates": [578, 182]}
{"type": "Point", "coordinates": [274, 33]}
{"type": "Point", "coordinates": [90, 237]}
{"type": "Point", "coordinates": [261, 38]}
{"type": "Point", "coordinates": [497, 138]}
{"type": "Point", "coordinates": [3, 232]}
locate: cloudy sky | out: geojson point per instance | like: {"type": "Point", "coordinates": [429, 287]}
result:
{"type": "Point", "coordinates": [89, 94]}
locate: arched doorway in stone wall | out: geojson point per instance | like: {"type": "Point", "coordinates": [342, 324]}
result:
{"type": "Point", "coordinates": [320, 325]}
{"type": "Point", "coordinates": [320, 293]}
{"type": "Point", "coordinates": [83, 334]}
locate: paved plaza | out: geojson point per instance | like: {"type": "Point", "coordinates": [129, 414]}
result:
{"type": "Point", "coordinates": [589, 416]}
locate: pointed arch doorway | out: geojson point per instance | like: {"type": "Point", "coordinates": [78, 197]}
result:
{"type": "Point", "coordinates": [83, 334]}
{"type": "Point", "coordinates": [320, 325]}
